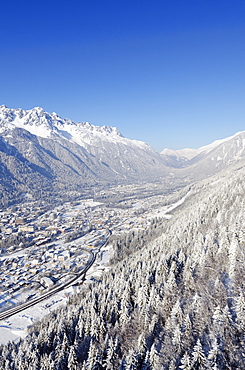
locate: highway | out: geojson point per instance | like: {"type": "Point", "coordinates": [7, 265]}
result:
{"type": "Point", "coordinates": [12, 311]}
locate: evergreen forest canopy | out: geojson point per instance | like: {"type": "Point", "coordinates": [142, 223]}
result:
{"type": "Point", "coordinates": [173, 299]}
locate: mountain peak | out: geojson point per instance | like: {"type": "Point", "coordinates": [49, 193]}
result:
{"type": "Point", "coordinates": [43, 124]}
{"type": "Point", "coordinates": [38, 110]}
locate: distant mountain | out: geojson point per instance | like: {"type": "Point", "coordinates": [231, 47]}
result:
{"type": "Point", "coordinates": [174, 158]}
{"type": "Point", "coordinates": [42, 148]}
{"type": "Point", "coordinates": [208, 159]}
{"type": "Point", "coordinates": [189, 153]}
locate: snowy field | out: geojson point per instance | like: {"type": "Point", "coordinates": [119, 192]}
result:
{"type": "Point", "coordinates": [163, 212]}
{"type": "Point", "coordinates": [16, 326]}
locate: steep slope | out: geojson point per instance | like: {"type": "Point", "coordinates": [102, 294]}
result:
{"type": "Point", "coordinates": [19, 176]}
{"type": "Point", "coordinates": [228, 153]}
{"type": "Point", "coordinates": [64, 153]}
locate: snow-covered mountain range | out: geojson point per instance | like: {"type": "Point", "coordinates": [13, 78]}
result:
{"type": "Point", "coordinates": [212, 157]}
{"type": "Point", "coordinates": [45, 148]}
{"type": "Point", "coordinates": [189, 153]}
{"type": "Point", "coordinates": [46, 125]}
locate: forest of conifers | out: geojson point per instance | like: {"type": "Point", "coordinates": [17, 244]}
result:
{"type": "Point", "coordinates": [173, 299]}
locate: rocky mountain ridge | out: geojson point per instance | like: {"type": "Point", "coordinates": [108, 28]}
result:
{"type": "Point", "coordinates": [42, 148]}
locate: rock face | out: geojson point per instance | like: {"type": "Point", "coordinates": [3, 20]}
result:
{"type": "Point", "coordinates": [38, 148]}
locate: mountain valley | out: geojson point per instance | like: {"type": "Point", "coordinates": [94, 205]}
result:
{"type": "Point", "coordinates": [43, 155]}
{"type": "Point", "coordinates": [165, 234]}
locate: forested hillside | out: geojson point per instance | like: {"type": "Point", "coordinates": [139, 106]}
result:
{"type": "Point", "coordinates": [175, 302]}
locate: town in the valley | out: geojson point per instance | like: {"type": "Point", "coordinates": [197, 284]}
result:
{"type": "Point", "coordinates": [44, 245]}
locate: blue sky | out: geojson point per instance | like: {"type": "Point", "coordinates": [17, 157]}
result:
{"type": "Point", "coordinates": [171, 73]}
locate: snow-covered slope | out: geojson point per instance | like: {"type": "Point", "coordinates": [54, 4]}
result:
{"type": "Point", "coordinates": [46, 125]}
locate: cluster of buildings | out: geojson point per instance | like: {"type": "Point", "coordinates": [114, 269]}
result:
{"type": "Point", "coordinates": [31, 267]}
